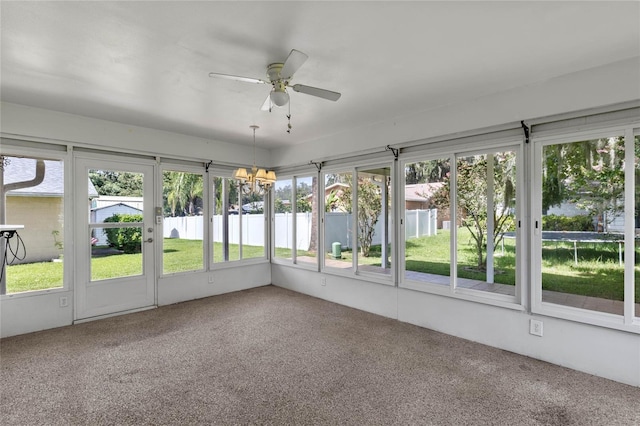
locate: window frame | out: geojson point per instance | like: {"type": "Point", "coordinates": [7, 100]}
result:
{"type": "Point", "coordinates": [206, 252]}
{"type": "Point", "coordinates": [354, 271]}
{"type": "Point", "coordinates": [453, 150]}
{"type": "Point", "coordinates": [266, 257]}
{"type": "Point", "coordinates": [627, 321]}
{"type": "Point", "coordinates": [63, 153]}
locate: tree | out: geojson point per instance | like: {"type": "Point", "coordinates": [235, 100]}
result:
{"type": "Point", "coordinates": [471, 194]}
{"type": "Point", "coordinates": [183, 193]}
{"type": "Point", "coordinates": [124, 184]}
{"type": "Point", "coordinates": [369, 207]}
{"type": "Point", "coordinates": [426, 171]}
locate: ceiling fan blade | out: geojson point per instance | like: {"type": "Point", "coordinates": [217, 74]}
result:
{"type": "Point", "coordinates": [238, 78]}
{"type": "Point", "coordinates": [294, 61]}
{"type": "Point", "coordinates": [314, 91]}
{"type": "Point", "coordinates": [267, 105]}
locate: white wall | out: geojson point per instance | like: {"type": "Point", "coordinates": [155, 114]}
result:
{"type": "Point", "coordinates": [599, 351]}
{"type": "Point", "coordinates": [609, 84]}
{"type": "Point", "coordinates": [19, 120]}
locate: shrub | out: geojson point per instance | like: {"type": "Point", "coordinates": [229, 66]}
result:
{"type": "Point", "coordinates": [554, 222]}
{"type": "Point", "coordinates": [128, 240]}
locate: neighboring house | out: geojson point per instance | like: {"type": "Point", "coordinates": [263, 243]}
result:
{"type": "Point", "coordinates": [39, 208]}
{"type": "Point", "coordinates": [99, 214]}
{"type": "Point", "coordinates": [109, 200]}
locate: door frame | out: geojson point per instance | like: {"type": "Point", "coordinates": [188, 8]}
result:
{"type": "Point", "coordinates": [145, 284]}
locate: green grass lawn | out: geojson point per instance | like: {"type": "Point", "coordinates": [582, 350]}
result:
{"type": "Point", "coordinates": [597, 273]}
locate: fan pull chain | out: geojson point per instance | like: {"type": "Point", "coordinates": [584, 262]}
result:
{"type": "Point", "coordinates": [289, 119]}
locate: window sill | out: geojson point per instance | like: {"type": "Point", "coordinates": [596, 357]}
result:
{"type": "Point", "coordinates": [585, 316]}
{"type": "Point", "coordinates": [493, 299]}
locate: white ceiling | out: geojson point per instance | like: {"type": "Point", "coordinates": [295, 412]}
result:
{"type": "Point", "coordinates": [147, 63]}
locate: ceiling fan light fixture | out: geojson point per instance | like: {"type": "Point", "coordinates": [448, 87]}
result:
{"type": "Point", "coordinates": [279, 98]}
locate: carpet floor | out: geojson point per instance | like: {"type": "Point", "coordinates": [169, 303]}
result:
{"type": "Point", "coordinates": [273, 356]}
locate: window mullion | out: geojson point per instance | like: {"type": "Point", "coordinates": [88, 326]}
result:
{"type": "Point", "coordinates": [629, 226]}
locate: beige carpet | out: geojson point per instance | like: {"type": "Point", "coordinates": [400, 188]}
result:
{"type": "Point", "coordinates": [272, 356]}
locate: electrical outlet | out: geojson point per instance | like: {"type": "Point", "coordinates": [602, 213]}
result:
{"type": "Point", "coordinates": [323, 281]}
{"type": "Point", "coordinates": [210, 278]}
{"type": "Point", "coordinates": [64, 302]}
{"type": "Point", "coordinates": [535, 327]}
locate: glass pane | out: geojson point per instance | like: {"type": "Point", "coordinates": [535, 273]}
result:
{"type": "Point", "coordinates": [226, 221]}
{"type": "Point", "coordinates": [583, 224]}
{"type": "Point", "coordinates": [182, 248]}
{"type": "Point", "coordinates": [427, 221]}
{"type": "Point", "coordinates": [121, 257]}
{"type": "Point", "coordinates": [253, 226]}
{"type": "Point", "coordinates": [306, 219]}
{"type": "Point", "coordinates": [637, 225]}
{"type": "Point", "coordinates": [337, 220]}
{"type": "Point", "coordinates": [283, 219]}
{"type": "Point", "coordinates": [34, 199]}
{"type": "Point", "coordinates": [374, 213]}
{"type": "Point", "coordinates": [486, 207]}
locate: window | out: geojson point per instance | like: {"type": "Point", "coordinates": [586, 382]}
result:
{"type": "Point", "coordinates": [283, 219]}
{"type": "Point", "coordinates": [373, 220]}
{"type": "Point", "coordinates": [34, 192]}
{"type": "Point", "coordinates": [460, 223]}
{"type": "Point", "coordinates": [581, 246]}
{"type": "Point", "coordinates": [306, 209]}
{"type": "Point", "coordinates": [358, 221]}
{"type": "Point", "coordinates": [427, 222]}
{"type": "Point", "coordinates": [338, 221]}
{"type": "Point", "coordinates": [183, 224]}
{"type": "Point", "coordinates": [238, 222]}
{"type": "Point", "coordinates": [485, 222]}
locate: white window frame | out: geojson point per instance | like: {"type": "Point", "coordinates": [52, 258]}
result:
{"type": "Point", "coordinates": [627, 321]}
{"type": "Point", "coordinates": [454, 150]}
{"type": "Point", "coordinates": [354, 271]}
{"type": "Point", "coordinates": [266, 258]}
{"type": "Point", "coordinates": [206, 252]}
{"type": "Point", "coordinates": [66, 156]}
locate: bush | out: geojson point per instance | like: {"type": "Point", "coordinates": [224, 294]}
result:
{"type": "Point", "coordinates": [553, 222]}
{"type": "Point", "coordinates": [128, 240]}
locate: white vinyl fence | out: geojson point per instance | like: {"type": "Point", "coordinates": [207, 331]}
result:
{"type": "Point", "coordinates": [418, 223]}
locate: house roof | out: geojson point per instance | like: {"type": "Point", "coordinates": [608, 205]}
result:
{"type": "Point", "coordinates": [24, 169]}
{"type": "Point", "coordinates": [421, 191]}
{"type": "Point", "coordinates": [111, 206]}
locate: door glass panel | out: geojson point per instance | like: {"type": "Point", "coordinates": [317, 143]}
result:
{"type": "Point", "coordinates": [427, 221]}
{"type": "Point", "coordinates": [183, 222]}
{"type": "Point", "coordinates": [373, 221]}
{"type": "Point", "coordinates": [122, 259]}
{"type": "Point", "coordinates": [583, 224]}
{"type": "Point", "coordinates": [116, 251]}
{"type": "Point", "coordinates": [306, 220]}
{"type": "Point", "coordinates": [338, 220]}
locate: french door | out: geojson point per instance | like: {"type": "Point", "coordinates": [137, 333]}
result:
{"type": "Point", "coordinates": [115, 269]}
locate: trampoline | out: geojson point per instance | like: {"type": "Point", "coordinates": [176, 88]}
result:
{"type": "Point", "coordinates": [576, 237]}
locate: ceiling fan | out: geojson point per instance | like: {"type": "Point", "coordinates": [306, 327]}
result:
{"type": "Point", "coordinates": [280, 74]}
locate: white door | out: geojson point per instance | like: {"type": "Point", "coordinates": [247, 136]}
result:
{"type": "Point", "coordinates": [114, 252]}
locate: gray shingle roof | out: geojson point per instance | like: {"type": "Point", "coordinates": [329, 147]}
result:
{"type": "Point", "coordinates": [24, 169]}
